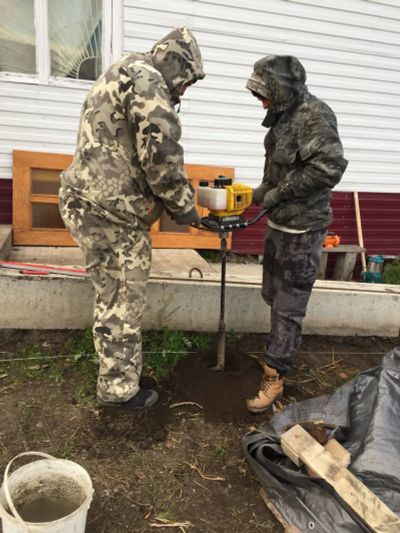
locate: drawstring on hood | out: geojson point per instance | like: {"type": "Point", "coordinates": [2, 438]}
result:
{"type": "Point", "coordinates": [280, 79]}
{"type": "Point", "coordinates": [177, 56]}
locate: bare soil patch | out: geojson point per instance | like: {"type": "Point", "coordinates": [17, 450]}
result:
{"type": "Point", "coordinates": [179, 464]}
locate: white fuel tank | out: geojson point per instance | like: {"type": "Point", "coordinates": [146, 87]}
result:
{"type": "Point", "coordinates": [214, 199]}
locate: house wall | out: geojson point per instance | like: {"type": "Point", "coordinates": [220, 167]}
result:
{"type": "Point", "coordinates": [379, 217]}
{"type": "Point", "coordinates": [5, 201]}
{"type": "Point", "coordinates": [350, 50]}
{"type": "Point", "coordinates": [38, 118]}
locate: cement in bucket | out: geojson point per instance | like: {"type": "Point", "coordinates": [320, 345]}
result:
{"type": "Point", "coordinates": [47, 496]}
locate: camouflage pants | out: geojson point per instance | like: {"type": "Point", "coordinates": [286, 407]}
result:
{"type": "Point", "coordinates": [290, 267]}
{"type": "Point", "coordinates": [118, 259]}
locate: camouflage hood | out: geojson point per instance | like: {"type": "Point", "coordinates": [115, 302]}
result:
{"type": "Point", "coordinates": [281, 79]}
{"type": "Point", "coordinates": [177, 56]}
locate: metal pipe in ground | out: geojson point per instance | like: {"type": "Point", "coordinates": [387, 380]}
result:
{"type": "Point", "coordinates": [221, 328]}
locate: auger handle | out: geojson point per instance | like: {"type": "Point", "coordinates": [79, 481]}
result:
{"type": "Point", "coordinates": [258, 217]}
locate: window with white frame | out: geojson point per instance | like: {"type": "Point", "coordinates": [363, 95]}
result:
{"type": "Point", "coordinates": [53, 40]}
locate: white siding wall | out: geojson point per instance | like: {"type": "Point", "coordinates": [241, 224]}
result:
{"type": "Point", "coordinates": [351, 51]}
{"type": "Point", "coordinates": [38, 118]}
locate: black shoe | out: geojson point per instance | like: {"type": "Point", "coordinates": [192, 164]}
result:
{"type": "Point", "coordinates": [144, 399]}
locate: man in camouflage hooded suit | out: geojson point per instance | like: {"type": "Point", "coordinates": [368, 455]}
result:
{"type": "Point", "coordinates": [303, 162]}
{"type": "Point", "coordinates": [127, 168]}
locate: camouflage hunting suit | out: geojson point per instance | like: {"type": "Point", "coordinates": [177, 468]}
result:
{"type": "Point", "coordinates": [127, 168]}
{"type": "Point", "coordinates": [303, 162]}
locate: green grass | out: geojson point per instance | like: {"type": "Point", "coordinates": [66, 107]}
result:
{"type": "Point", "coordinates": [80, 347]}
{"type": "Point", "coordinates": [165, 348]}
{"type": "Point", "coordinates": [212, 256]}
{"type": "Point", "coordinates": [391, 272]}
{"type": "Point", "coordinates": [162, 349]}
{"type": "Point", "coordinates": [85, 364]}
{"type": "Point", "coordinates": [35, 362]}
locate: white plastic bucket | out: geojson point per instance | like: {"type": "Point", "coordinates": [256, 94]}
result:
{"type": "Point", "coordinates": [63, 482]}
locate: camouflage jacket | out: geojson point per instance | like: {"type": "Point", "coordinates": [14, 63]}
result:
{"type": "Point", "coordinates": [128, 162]}
{"type": "Point", "coordinates": [303, 153]}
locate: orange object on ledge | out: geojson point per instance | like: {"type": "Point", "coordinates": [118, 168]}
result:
{"type": "Point", "coordinates": [331, 241]}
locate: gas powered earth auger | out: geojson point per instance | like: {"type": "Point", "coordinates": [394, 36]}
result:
{"type": "Point", "coordinates": [226, 203]}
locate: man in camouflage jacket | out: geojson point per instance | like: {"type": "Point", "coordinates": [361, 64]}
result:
{"type": "Point", "coordinates": [128, 168]}
{"type": "Point", "coordinates": [303, 162]}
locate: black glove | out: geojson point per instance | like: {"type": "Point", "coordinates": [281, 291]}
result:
{"type": "Point", "coordinates": [259, 193]}
{"type": "Point", "coordinates": [189, 219]}
{"type": "Point", "coordinates": [210, 223]}
{"type": "Point", "coordinates": [271, 198]}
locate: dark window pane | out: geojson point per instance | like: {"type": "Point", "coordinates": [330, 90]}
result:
{"type": "Point", "coordinates": [17, 36]}
{"type": "Point", "coordinates": [45, 181]}
{"type": "Point", "coordinates": [46, 216]}
{"type": "Point", "coordinates": [75, 36]}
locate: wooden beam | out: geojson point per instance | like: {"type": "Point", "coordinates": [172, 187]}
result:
{"type": "Point", "coordinates": [304, 449]}
{"type": "Point", "coordinates": [359, 230]}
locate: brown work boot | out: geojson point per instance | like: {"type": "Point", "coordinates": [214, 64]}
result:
{"type": "Point", "coordinates": [271, 388]}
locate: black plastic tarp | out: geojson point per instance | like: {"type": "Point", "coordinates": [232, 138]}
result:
{"type": "Point", "coordinates": [365, 415]}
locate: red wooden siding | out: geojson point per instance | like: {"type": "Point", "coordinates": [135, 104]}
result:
{"type": "Point", "coordinates": [5, 201]}
{"type": "Point", "coordinates": [380, 216]}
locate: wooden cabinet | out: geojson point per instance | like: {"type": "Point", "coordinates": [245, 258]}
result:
{"type": "Point", "coordinates": [36, 219]}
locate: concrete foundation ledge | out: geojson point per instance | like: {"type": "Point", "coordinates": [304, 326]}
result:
{"type": "Point", "coordinates": [5, 241]}
{"type": "Point", "coordinates": [335, 308]}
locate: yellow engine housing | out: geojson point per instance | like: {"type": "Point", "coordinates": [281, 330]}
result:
{"type": "Point", "coordinates": [238, 199]}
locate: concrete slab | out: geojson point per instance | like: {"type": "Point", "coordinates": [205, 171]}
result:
{"type": "Point", "coordinates": [48, 255]}
{"type": "Point", "coordinates": [168, 262]}
{"type": "Point", "coordinates": [180, 301]}
{"type": "Point", "coordinates": [5, 241]}
{"type": "Point", "coordinates": [177, 262]}
{"type": "Point", "coordinates": [56, 302]}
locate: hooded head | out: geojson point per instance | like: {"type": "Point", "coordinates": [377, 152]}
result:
{"type": "Point", "coordinates": [177, 56]}
{"type": "Point", "coordinates": [280, 79]}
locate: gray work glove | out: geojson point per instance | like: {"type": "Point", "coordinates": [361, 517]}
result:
{"type": "Point", "coordinates": [259, 193]}
{"type": "Point", "coordinates": [271, 198]}
{"type": "Point", "coordinates": [189, 219]}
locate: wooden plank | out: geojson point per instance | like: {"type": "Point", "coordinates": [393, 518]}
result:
{"type": "Point", "coordinates": [44, 199]}
{"type": "Point", "coordinates": [351, 490]}
{"type": "Point", "coordinates": [359, 229]}
{"type": "Point", "coordinates": [21, 209]}
{"type": "Point", "coordinates": [338, 452]}
{"type": "Point", "coordinates": [342, 248]}
{"type": "Point", "coordinates": [42, 237]}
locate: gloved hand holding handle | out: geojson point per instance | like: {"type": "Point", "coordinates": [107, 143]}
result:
{"type": "Point", "coordinates": [264, 197]}
{"type": "Point", "coordinates": [270, 199]}
{"type": "Point", "coordinates": [259, 193]}
{"type": "Point", "coordinates": [189, 219]}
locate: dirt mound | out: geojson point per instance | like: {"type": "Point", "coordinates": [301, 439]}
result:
{"type": "Point", "coordinates": [193, 387]}
{"type": "Point", "coordinates": [221, 395]}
